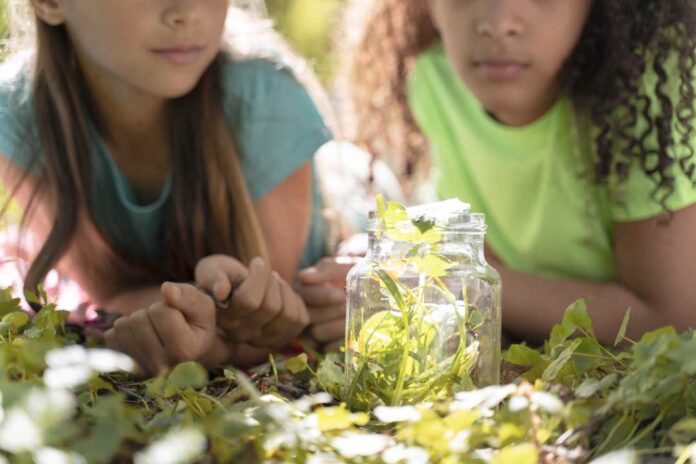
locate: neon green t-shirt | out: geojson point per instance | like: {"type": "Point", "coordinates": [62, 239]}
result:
{"type": "Point", "coordinates": [546, 216]}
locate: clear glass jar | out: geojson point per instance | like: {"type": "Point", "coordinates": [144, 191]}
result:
{"type": "Point", "coordinates": [423, 310]}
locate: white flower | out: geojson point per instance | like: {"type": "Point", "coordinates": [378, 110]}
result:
{"type": "Point", "coordinates": [72, 366]}
{"type": "Point", "coordinates": [67, 376]}
{"type": "Point", "coordinates": [351, 445]}
{"type": "Point", "coordinates": [518, 403]}
{"type": "Point", "coordinates": [55, 456]}
{"type": "Point", "coordinates": [388, 414]}
{"type": "Point", "coordinates": [178, 447]}
{"type": "Point", "coordinates": [67, 356]}
{"type": "Point", "coordinates": [485, 398]}
{"type": "Point", "coordinates": [409, 455]}
{"type": "Point", "coordinates": [618, 457]}
{"type": "Point", "coordinates": [104, 360]}
{"type": "Point", "coordinates": [547, 402]}
{"type": "Point", "coordinates": [323, 458]}
{"type": "Point", "coordinates": [19, 433]}
{"type": "Point", "coordinates": [306, 402]}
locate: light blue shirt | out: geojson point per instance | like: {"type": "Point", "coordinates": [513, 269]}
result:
{"type": "Point", "coordinates": [276, 125]}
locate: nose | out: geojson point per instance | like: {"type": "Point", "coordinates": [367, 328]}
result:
{"type": "Point", "coordinates": [179, 13]}
{"type": "Point", "coordinates": [500, 19]}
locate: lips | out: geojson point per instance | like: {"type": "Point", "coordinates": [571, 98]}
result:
{"type": "Point", "coordinates": [180, 54]}
{"type": "Point", "coordinates": [500, 69]}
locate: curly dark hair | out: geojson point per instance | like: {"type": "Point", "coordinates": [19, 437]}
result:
{"type": "Point", "coordinates": [622, 40]}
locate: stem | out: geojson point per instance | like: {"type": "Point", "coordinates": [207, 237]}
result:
{"type": "Point", "coordinates": [273, 366]}
{"type": "Point", "coordinates": [611, 433]}
{"type": "Point", "coordinates": [401, 378]}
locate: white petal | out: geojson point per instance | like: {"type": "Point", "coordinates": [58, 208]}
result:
{"type": "Point", "coordinates": [105, 360]}
{"type": "Point", "coordinates": [74, 354]}
{"type": "Point", "coordinates": [67, 376]}
{"type": "Point", "coordinates": [388, 414]}
{"type": "Point", "coordinates": [178, 447]}
{"type": "Point", "coordinates": [352, 445]}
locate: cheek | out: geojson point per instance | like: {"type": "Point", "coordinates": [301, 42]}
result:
{"type": "Point", "coordinates": [218, 14]}
{"type": "Point", "coordinates": [562, 34]}
{"type": "Point", "coordinates": [555, 48]}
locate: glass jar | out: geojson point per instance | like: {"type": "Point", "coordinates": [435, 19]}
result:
{"type": "Point", "coordinates": [423, 308]}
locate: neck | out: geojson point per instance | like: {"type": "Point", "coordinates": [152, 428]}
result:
{"type": "Point", "coordinates": [519, 117]}
{"type": "Point", "coordinates": [127, 115]}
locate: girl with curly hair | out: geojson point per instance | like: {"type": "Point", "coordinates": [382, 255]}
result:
{"type": "Point", "coordinates": [569, 123]}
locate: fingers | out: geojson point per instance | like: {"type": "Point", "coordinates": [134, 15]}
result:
{"type": "Point", "coordinates": [251, 293]}
{"type": "Point", "coordinates": [197, 308]}
{"type": "Point", "coordinates": [148, 342]}
{"type": "Point", "coordinates": [321, 314]}
{"type": "Point", "coordinates": [175, 333]}
{"type": "Point", "coordinates": [272, 306]}
{"type": "Point", "coordinates": [215, 273]}
{"type": "Point", "coordinates": [286, 326]}
{"type": "Point", "coordinates": [328, 270]}
{"type": "Point", "coordinates": [329, 332]}
{"type": "Point", "coordinates": [321, 295]}
{"type": "Point", "coordinates": [121, 338]}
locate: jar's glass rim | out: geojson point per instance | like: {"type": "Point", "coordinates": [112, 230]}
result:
{"type": "Point", "coordinates": [474, 223]}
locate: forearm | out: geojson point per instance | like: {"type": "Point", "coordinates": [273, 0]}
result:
{"type": "Point", "coordinates": [533, 305]}
{"type": "Point", "coordinates": [129, 301]}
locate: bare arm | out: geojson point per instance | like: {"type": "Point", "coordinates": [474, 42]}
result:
{"type": "Point", "coordinates": [89, 260]}
{"type": "Point", "coordinates": [284, 214]}
{"type": "Point", "coordinates": [656, 267]}
{"type": "Point", "coordinates": [285, 217]}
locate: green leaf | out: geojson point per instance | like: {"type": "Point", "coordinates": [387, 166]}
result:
{"type": "Point", "coordinates": [330, 375]}
{"type": "Point", "coordinates": [525, 453]}
{"type": "Point", "coordinates": [622, 330]}
{"type": "Point", "coordinates": [684, 431]}
{"type": "Point", "coordinates": [393, 290]}
{"type": "Point", "coordinates": [424, 224]}
{"type": "Point", "coordinates": [339, 418]}
{"type": "Point", "coordinates": [574, 318]}
{"type": "Point", "coordinates": [522, 355]}
{"type": "Point", "coordinates": [432, 265]}
{"type": "Point", "coordinates": [17, 319]}
{"type": "Point", "coordinates": [392, 213]}
{"type": "Point", "coordinates": [31, 297]}
{"type": "Point", "coordinates": [684, 355]}
{"type": "Point", "coordinates": [589, 387]}
{"type": "Point", "coordinates": [297, 364]}
{"type": "Point", "coordinates": [9, 305]}
{"type": "Point", "coordinates": [560, 362]}
{"type": "Point", "coordinates": [186, 375]}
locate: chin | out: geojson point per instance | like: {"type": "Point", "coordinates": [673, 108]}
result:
{"type": "Point", "coordinates": [171, 90]}
{"type": "Point", "coordinates": [502, 102]}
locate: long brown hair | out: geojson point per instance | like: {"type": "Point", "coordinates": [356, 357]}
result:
{"type": "Point", "coordinates": [210, 209]}
{"type": "Point", "coordinates": [622, 40]}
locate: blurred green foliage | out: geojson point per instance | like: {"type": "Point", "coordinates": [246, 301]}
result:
{"type": "Point", "coordinates": [308, 26]}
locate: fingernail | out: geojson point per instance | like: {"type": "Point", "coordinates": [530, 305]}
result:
{"type": "Point", "coordinates": [176, 292]}
{"type": "Point", "coordinates": [217, 288]}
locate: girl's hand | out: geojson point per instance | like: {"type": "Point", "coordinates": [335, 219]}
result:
{"type": "Point", "coordinates": [261, 309]}
{"type": "Point", "coordinates": [322, 288]}
{"type": "Point", "coordinates": [179, 328]}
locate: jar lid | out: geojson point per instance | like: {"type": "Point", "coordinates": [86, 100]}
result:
{"type": "Point", "coordinates": [452, 214]}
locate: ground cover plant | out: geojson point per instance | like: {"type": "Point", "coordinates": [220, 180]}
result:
{"type": "Point", "coordinates": [64, 400]}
